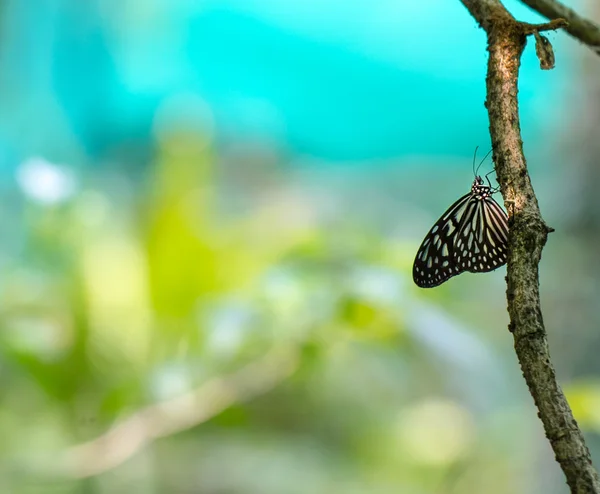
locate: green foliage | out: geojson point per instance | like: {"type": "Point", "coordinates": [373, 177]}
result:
{"type": "Point", "coordinates": [149, 302]}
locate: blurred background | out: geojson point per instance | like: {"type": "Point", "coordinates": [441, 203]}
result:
{"type": "Point", "coordinates": [210, 210]}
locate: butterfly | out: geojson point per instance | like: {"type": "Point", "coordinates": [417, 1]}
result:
{"type": "Point", "coordinates": [470, 236]}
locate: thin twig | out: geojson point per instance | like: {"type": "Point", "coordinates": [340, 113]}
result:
{"type": "Point", "coordinates": [527, 237]}
{"type": "Point", "coordinates": [548, 26]}
{"type": "Point", "coordinates": [579, 27]}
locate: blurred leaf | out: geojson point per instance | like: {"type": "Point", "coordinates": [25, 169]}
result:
{"type": "Point", "coordinates": [584, 397]}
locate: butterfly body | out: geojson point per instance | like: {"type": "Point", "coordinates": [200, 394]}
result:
{"type": "Point", "coordinates": [470, 236]}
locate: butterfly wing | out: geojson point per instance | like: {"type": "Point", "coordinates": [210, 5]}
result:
{"type": "Point", "coordinates": [435, 261]}
{"type": "Point", "coordinates": [480, 245]}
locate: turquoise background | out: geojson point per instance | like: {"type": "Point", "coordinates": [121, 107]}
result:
{"type": "Point", "coordinates": [342, 81]}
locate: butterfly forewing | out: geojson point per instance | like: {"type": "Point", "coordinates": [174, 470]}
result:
{"type": "Point", "coordinates": [470, 236]}
{"type": "Point", "coordinates": [434, 262]}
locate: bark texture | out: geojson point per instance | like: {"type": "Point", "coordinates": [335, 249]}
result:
{"type": "Point", "coordinates": [527, 237]}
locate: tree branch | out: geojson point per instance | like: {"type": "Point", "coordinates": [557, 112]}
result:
{"type": "Point", "coordinates": [506, 39]}
{"type": "Point", "coordinates": [579, 27]}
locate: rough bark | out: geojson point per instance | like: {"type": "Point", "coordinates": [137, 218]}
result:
{"type": "Point", "coordinates": [528, 232]}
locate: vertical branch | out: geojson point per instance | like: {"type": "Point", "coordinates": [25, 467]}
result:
{"type": "Point", "coordinates": [527, 237]}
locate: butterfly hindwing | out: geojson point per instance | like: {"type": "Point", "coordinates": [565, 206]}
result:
{"type": "Point", "coordinates": [480, 245]}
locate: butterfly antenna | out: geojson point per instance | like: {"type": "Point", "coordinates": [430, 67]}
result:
{"type": "Point", "coordinates": [474, 158]}
{"type": "Point", "coordinates": [481, 162]}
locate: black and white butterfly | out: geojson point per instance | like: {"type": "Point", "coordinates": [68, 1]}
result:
{"type": "Point", "coordinates": [470, 236]}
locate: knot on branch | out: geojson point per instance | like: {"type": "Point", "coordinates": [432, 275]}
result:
{"type": "Point", "coordinates": [529, 234]}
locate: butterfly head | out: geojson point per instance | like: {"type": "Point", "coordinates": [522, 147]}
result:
{"type": "Point", "coordinates": [479, 189]}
